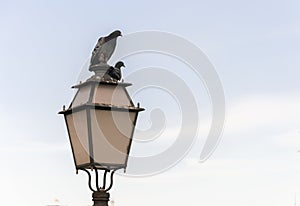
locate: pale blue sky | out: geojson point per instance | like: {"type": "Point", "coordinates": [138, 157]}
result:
{"type": "Point", "coordinates": [255, 47]}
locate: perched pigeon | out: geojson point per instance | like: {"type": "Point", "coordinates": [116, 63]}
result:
{"type": "Point", "coordinates": [105, 48]}
{"type": "Point", "coordinates": [115, 72]}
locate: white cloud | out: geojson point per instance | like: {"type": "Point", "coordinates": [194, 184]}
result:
{"type": "Point", "coordinates": [260, 112]}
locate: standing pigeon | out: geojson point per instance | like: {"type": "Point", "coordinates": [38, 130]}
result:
{"type": "Point", "coordinates": [115, 72]}
{"type": "Point", "coordinates": [105, 48]}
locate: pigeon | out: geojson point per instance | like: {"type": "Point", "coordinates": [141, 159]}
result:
{"type": "Point", "coordinates": [115, 72]}
{"type": "Point", "coordinates": [105, 48]}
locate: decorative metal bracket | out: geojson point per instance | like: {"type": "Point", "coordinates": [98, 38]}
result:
{"type": "Point", "coordinates": [103, 188]}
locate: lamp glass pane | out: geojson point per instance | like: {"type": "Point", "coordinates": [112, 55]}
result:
{"type": "Point", "coordinates": [77, 126]}
{"type": "Point", "coordinates": [112, 95]}
{"type": "Point", "coordinates": [82, 96]}
{"type": "Point", "coordinates": [111, 135]}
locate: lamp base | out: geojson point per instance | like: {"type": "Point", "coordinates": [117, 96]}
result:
{"type": "Point", "coordinates": [100, 198]}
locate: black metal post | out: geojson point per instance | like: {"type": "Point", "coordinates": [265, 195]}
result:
{"type": "Point", "coordinates": [100, 198]}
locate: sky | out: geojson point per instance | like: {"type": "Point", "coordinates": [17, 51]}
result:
{"type": "Point", "coordinates": [254, 47]}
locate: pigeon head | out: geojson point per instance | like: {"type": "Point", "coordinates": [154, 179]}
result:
{"type": "Point", "coordinates": [119, 64]}
{"type": "Point", "coordinates": [117, 33]}
{"type": "Point", "coordinates": [114, 34]}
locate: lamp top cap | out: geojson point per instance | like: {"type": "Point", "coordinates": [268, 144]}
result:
{"type": "Point", "coordinates": [99, 81]}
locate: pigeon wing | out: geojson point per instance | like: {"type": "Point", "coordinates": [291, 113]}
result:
{"type": "Point", "coordinates": [115, 73]}
{"type": "Point", "coordinates": [108, 48]}
{"type": "Point", "coordinates": [95, 58]}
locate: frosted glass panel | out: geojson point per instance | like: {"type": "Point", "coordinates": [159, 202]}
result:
{"type": "Point", "coordinates": [112, 138]}
{"type": "Point", "coordinates": [82, 96]}
{"type": "Point", "coordinates": [111, 94]}
{"type": "Point", "coordinates": [79, 136]}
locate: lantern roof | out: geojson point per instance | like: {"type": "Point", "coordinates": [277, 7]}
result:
{"type": "Point", "coordinates": [86, 96]}
{"type": "Point", "coordinates": [107, 95]}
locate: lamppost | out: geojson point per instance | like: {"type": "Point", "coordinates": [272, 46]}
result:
{"type": "Point", "coordinates": [101, 120]}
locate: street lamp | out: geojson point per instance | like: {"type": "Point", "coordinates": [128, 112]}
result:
{"type": "Point", "coordinates": [100, 122]}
